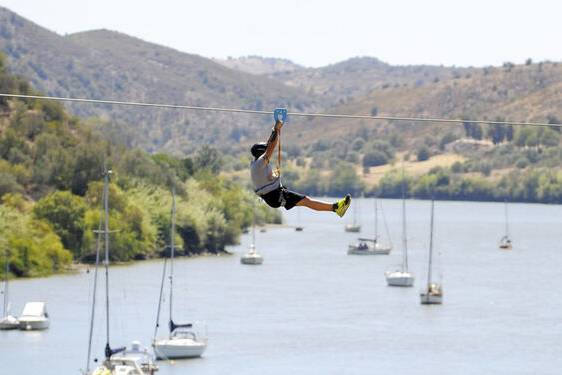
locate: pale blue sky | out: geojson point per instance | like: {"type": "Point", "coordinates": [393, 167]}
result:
{"type": "Point", "coordinates": [321, 32]}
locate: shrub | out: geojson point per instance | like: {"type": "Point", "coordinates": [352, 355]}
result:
{"type": "Point", "coordinates": [423, 153]}
{"type": "Point", "coordinates": [457, 167]}
{"type": "Point", "coordinates": [522, 163]}
{"type": "Point", "coordinates": [374, 158]}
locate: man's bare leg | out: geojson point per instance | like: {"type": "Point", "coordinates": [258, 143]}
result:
{"type": "Point", "coordinates": [316, 205]}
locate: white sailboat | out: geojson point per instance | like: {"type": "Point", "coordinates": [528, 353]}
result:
{"type": "Point", "coordinates": [34, 317]}
{"type": "Point", "coordinates": [433, 292]}
{"type": "Point", "coordinates": [299, 227]}
{"type": "Point", "coordinates": [7, 321]}
{"type": "Point", "coordinates": [505, 241]}
{"type": "Point", "coordinates": [182, 341]}
{"type": "Point", "coordinates": [119, 361]}
{"type": "Point", "coordinates": [354, 227]}
{"type": "Point", "coordinates": [368, 246]}
{"type": "Point", "coordinates": [252, 257]}
{"type": "Point", "coordinates": [402, 277]}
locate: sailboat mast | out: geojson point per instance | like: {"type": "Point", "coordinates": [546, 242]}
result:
{"type": "Point", "coordinates": [95, 289]}
{"type": "Point", "coordinates": [254, 225]}
{"type": "Point", "coordinates": [404, 234]}
{"type": "Point", "coordinates": [430, 244]}
{"type": "Point", "coordinates": [506, 222]}
{"type": "Point", "coordinates": [376, 220]}
{"type": "Point", "coordinates": [172, 251]}
{"type": "Point", "coordinates": [5, 312]}
{"type": "Point", "coordinates": [106, 258]}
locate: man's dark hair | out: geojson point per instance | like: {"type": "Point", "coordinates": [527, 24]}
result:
{"type": "Point", "coordinates": [258, 149]}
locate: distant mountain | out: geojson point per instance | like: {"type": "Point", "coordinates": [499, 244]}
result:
{"type": "Point", "coordinates": [341, 82]}
{"type": "Point", "coordinates": [110, 65]}
{"type": "Point", "coordinates": [260, 65]}
{"type": "Point", "coordinates": [513, 93]}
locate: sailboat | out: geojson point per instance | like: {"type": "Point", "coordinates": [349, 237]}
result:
{"type": "Point", "coordinates": [118, 361]}
{"type": "Point", "coordinates": [368, 246]}
{"type": "Point", "coordinates": [34, 317]}
{"type": "Point", "coordinates": [505, 241]}
{"type": "Point", "coordinates": [433, 293]}
{"type": "Point", "coordinates": [182, 340]}
{"type": "Point", "coordinates": [354, 227]}
{"type": "Point", "coordinates": [7, 321]}
{"type": "Point", "coordinates": [402, 277]}
{"type": "Point", "coordinates": [252, 257]}
{"type": "Point", "coordinates": [299, 227]}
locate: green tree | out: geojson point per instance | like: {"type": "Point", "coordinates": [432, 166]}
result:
{"type": "Point", "coordinates": [65, 212]}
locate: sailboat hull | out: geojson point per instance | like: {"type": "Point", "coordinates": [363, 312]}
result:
{"type": "Point", "coordinates": [399, 278]}
{"type": "Point", "coordinates": [33, 324]}
{"type": "Point", "coordinates": [376, 250]}
{"type": "Point", "coordinates": [9, 322]}
{"type": "Point", "coordinates": [431, 299]}
{"type": "Point", "coordinates": [179, 348]}
{"type": "Point", "coordinates": [251, 258]}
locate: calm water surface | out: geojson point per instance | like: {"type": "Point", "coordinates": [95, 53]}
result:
{"type": "Point", "coordinates": [312, 309]}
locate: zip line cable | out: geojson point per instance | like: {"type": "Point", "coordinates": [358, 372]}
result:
{"type": "Point", "coordinates": [296, 114]}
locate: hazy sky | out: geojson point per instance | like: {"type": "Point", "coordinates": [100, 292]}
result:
{"type": "Point", "coordinates": [321, 32]}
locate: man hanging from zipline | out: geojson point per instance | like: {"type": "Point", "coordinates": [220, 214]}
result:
{"type": "Point", "coordinates": [267, 182]}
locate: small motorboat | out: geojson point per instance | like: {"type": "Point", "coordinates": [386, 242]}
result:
{"type": "Point", "coordinates": [34, 317]}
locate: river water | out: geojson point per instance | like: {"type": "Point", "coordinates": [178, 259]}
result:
{"type": "Point", "coordinates": [312, 309]}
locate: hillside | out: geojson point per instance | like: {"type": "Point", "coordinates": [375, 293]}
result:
{"type": "Point", "coordinates": [105, 64]}
{"type": "Point", "coordinates": [518, 93]}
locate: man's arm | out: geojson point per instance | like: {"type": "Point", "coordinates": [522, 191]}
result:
{"type": "Point", "coordinates": [272, 141]}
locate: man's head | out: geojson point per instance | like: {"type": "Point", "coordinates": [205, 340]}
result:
{"type": "Point", "coordinates": [258, 149]}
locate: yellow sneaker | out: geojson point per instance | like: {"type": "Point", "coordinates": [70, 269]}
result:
{"type": "Point", "coordinates": [341, 206]}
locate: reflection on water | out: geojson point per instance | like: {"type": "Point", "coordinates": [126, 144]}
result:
{"type": "Point", "coordinates": [312, 309]}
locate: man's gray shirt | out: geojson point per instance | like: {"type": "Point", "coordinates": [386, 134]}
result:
{"type": "Point", "coordinates": [263, 177]}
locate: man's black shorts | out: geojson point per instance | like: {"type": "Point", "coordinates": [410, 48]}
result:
{"type": "Point", "coordinates": [281, 197]}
